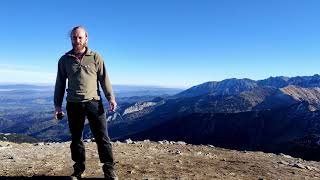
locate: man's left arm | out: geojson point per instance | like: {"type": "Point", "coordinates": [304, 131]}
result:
{"type": "Point", "coordinates": [105, 83]}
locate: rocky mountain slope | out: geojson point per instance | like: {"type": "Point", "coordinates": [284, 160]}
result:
{"type": "Point", "coordinates": [277, 130]}
{"type": "Point", "coordinates": [256, 99]}
{"type": "Point", "coordinates": [153, 160]}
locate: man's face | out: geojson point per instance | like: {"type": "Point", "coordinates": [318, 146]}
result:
{"type": "Point", "coordinates": [79, 40]}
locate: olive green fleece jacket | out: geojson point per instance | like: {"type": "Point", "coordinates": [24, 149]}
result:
{"type": "Point", "coordinates": [83, 78]}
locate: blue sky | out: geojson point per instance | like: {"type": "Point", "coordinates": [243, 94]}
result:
{"type": "Point", "coordinates": [173, 43]}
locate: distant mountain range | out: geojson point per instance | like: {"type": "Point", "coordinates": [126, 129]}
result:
{"type": "Point", "coordinates": [275, 114]}
{"type": "Point", "coordinates": [235, 86]}
{"type": "Point", "coordinates": [120, 90]}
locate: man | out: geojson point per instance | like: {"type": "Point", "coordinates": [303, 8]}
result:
{"type": "Point", "coordinates": [84, 70]}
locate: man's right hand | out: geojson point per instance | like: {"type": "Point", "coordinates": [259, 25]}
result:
{"type": "Point", "coordinates": [58, 114]}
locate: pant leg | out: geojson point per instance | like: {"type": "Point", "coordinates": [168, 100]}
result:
{"type": "Point", "coordinates": [76, 118]}
{"type": "Point", "coordinates": [98, 125]}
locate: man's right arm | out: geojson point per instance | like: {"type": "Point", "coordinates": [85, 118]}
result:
{"type": "Point", "coordinates": [60, 86]}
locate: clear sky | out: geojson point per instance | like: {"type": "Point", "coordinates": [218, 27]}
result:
{"type": "Point", "coordinates": [175, 43]}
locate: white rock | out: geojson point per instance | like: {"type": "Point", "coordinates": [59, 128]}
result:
{"type": "Point", "coordinates": [39, 144]}
{"type": "Point", "coordinates": [128, 141]}
{"type": "Point", "coordinates": [178, 152]}
{"type": "Point", "coordinates": [286, 156]}
{"type": "Point", "coordinates": [298, 165]}
{"type": "Point", "coordinates": [163, 142]}
{"type": "Point", "coordinates": [181, 143]}
{"type": "Point", "coordinates": [283, 162]}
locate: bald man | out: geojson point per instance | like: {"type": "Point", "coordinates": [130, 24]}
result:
{"type": "Point", "coordinates": [85, 70]}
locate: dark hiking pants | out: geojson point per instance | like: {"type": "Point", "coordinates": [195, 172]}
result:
{"type": "Point", "coordinates": [94, 111]}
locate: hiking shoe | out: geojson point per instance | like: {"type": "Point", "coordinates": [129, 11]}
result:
{"type": "Point", "coordinates": [110, 175]}
{"type": "Point", "coordinates": [78, 170]}
{"type": "Point", "coordinates": [109, 172]}
{"type": "Point", "coordinates": [77, 175]}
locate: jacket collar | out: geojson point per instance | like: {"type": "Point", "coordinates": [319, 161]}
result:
{"type": "Point", "coordinates": [88, 52]}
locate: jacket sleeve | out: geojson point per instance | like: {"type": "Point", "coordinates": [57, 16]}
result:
{"type": "Point", "coordinates": [60, 86]}
{"type": "Point", "coordinates": [103, 78]}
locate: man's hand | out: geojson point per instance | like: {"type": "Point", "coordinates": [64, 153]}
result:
{"type": "Point", "coordinates": [58, 114]}
{"type": "Point", "coordinates": [112, 105]}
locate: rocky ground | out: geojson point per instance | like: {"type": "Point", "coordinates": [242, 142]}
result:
{"type": "Point", "coordinates": [153, 160]}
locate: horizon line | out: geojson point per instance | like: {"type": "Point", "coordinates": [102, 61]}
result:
{"type": "Point", "coordinates": [151, 85]}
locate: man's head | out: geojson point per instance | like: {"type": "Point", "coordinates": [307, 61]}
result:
{"type": "Point", "coordinates": [79, 39]}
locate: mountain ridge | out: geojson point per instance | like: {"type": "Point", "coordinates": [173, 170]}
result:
{"type": "Point", "coordinates": [234, 86]}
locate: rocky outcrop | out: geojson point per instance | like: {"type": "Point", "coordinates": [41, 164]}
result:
{"type": "Point", "coordinates": [18, 138]}
{"type": "Point", "coordinates": [138, 107]}
{"type": "Point", "coordinates": [311, 95]}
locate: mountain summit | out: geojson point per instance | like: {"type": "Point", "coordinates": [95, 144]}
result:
{"type": "Point", "coordinates": [153, 160]}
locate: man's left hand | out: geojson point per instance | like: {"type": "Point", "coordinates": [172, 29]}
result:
{"type": "Point", "coordinates": [112, 105]}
